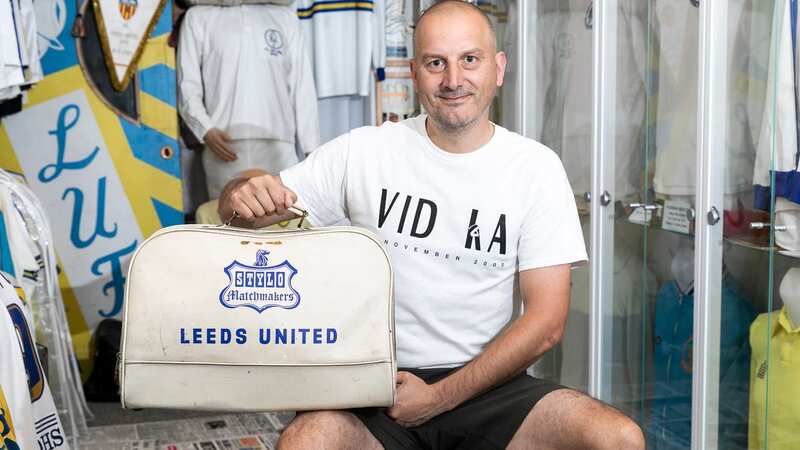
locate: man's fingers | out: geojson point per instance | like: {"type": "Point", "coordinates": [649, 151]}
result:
{"type": "Point", "coordinates": [289, 198]}
{"type": "Point", "coordinates": [245, 201]}
{"type": "Point", "coordinates": [225, 136]}
{"type": "Point", "coordinates": [255, 206]}
{"type": "Point", "coordinates": [238, 205]}
{"type": "Point", "coordinates": [401, 377]}
{"type": "Point", "coordinates": [259, 196]}
{"type": "Point", "coordinates": [266, 201]}
{"type": "Point", "coordinates": [278, 194]}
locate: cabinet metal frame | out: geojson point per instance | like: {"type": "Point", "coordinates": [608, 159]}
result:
{"type": "Point", "coordinates": [601, 250]}
{"type": "Point", "coordinates": [711, 136]}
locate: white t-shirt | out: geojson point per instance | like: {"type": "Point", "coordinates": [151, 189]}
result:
{"type": "Point", "coordinates": [458, 228]}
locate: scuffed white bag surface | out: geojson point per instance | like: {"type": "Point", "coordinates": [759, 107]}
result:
{"type": "Point", "coordinates": [222, 318]}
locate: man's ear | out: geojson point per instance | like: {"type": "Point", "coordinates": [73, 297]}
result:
{"type": "Point", "coordinates": [413, 66]}
{"type": "Point", "coordinates": [500, 61]}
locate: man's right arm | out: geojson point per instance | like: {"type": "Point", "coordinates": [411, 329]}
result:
{"type": "Point", "coordinates": [259, 199]}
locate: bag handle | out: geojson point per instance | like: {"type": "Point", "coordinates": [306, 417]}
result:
{"type": "Point", "coordinates": [300, 212]}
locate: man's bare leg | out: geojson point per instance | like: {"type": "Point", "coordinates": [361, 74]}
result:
{"type": "Point", "coordinates": [566, 419]}
{"type": "Point", "coordinates": [335, 430]}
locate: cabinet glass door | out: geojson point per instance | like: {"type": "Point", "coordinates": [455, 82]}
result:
{"type": "Point", "coordinates": [649, 320]}
{"type": "Point", "coordinates": [760, 304]}
{"type": "Point", "coordinates": [558, 102]}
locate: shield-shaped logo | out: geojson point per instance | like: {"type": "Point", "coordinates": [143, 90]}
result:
{"type": "Point", "coordinates": [127, 8]}
{"type": "Point", "coordinates": [274, 42]}
{"type": "Point", "coordinates": [260, 286]}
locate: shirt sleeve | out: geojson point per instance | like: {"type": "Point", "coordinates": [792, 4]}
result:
{"type": "Point", "coordinates": [551, 231]}
{"type": "Point", "coordinates": [379, 38]}
{"type": "Point", "coordinates": [302, 91]}
{"type": "Point", "coordinates": [190, 78]}
{"type": "Point", "coordinates": [320, 182]}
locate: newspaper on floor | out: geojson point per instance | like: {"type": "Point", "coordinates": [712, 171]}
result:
{"type": "Point", "coordinates": [246, 431]}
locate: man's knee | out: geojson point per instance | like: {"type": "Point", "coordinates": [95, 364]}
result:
{"type": "Point", "coordinates": [628, 435]}
{"type": "Point", "coordinates": [612, 430]}
{"type": "Point", "coordinates": [322, 429]}
{"type": "Point", "coordinates": [586, 423]}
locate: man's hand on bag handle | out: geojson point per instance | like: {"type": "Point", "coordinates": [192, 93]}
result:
{"type": "Point", "coordinates": [259, 199]}
{"type": "Point", "coordinates": [219, 142]}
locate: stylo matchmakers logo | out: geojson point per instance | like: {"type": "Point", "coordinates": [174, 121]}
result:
{"type": "Point", "coordinates": [260, 286]}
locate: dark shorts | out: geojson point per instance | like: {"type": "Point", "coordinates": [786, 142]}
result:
{"type": "Point", "coordinates": [487, 421]}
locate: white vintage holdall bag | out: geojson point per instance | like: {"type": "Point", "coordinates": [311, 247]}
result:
{"type": "Point", "coordinates": [223, 318]}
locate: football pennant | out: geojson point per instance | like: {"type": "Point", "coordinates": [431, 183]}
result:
{"type": "Point", "coordinates": [124, 26]}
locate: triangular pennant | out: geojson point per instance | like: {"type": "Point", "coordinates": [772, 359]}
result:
{"type": "Point", "coordinates": [124, 26]}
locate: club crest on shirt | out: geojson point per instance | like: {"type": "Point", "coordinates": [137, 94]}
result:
{"type": "Point", "coordinates": [274, 42]}
{"type": "Point", "coordinates": [260, 286]}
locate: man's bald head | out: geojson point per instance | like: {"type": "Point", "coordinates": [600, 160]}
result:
{"type": "Point", "coordinates": [456, 67]}
{"type": "Point", "coordinates": [448, 6]}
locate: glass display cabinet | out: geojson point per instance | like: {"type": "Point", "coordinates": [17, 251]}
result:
{"type": "Point", "coordinates": [677, 123]}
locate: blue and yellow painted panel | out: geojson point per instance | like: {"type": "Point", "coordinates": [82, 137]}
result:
{"type": "Point", "coordinates": [106, 180]}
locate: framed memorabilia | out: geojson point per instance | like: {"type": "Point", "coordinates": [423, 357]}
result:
{"type": "Point", "coordinates": [123, 27]}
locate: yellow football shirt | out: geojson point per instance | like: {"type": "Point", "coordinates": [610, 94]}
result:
{"type": "Point", "coordinates": [774, 383]}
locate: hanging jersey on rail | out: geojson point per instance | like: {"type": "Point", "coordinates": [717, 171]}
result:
{"type": "Point", "coordinates": [779, 127]}
{"type": "Point", "coordinates": [676, 28]}
{"type": "Point", "coordinates": [46, 423]}
{"type": "Point", "coordinates": [22, 260]}
{"type": "Point", "coordinates": [564, 78]}
{"type": "Point", "coordinates": [16, 414]}
{"type": "Point", "coordinates": [346, 39]}
{"type": "Point", "coordinates": [561, 88]}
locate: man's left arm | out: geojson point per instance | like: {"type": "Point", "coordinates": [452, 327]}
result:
{"type": "Point", "coordinates": [545, 296]}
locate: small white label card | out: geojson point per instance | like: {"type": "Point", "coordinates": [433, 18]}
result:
{"type": "Point", "coordinates": [676, 216]}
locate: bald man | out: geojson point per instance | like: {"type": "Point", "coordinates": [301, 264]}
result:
{"type": "Point", "coordinates": [468, 211]}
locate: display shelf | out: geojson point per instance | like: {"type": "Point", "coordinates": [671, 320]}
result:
{"type": "Point", "coordinates": [757, 240]}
